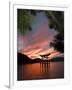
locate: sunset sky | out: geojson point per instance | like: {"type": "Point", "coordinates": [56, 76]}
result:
{"type": "Point", "coordinates": [36, 42]}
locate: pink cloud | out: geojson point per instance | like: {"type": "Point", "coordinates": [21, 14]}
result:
{"type": "Point", "coordinates": [36, 41]}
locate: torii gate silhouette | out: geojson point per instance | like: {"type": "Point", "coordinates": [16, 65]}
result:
{"type": "Point", "coordinates": [45, 56]}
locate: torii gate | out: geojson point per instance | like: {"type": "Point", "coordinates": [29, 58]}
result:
{"type": "Point", "coordinates": [45, 56]}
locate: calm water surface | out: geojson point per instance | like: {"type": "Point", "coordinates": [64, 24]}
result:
{"type": "Point", "coordinates": [41, 70]}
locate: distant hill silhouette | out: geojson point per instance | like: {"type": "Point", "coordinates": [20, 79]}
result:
{"type": "Point", "coordinates": [57, 59]}
{"type": "Point", "coordinates": [22, 58]}
{"type": "Point", "coordinates": [37, 59]}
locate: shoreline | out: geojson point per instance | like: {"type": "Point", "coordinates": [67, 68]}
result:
{"type": "Point", "coordinates": [41, 61]}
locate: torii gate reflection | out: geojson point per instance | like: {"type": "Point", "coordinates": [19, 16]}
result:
{"type": "Point", "coordinates": [45, 64]}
